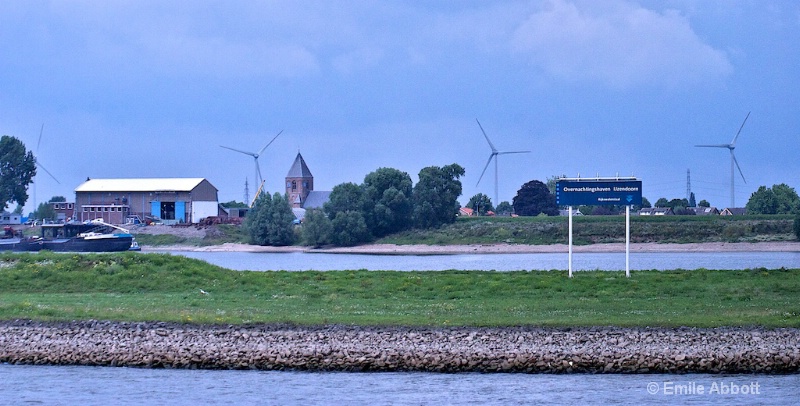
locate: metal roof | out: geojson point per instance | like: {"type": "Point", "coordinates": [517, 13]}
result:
{"type": "Point", "coordinates": [299, 169]}
{"type": "Point", "coordinates": [140, 185]}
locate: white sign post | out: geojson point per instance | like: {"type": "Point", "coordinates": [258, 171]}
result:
{"type": "Point", "coordinates": [600, 191]}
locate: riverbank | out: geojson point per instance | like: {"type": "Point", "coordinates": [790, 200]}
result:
{"type": "Point", "coordinates": [420, 249]}
{"type": "Point", "coordinates": [348, 348]}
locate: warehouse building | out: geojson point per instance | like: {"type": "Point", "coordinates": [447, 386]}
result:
{"type": "Point", "coordinates": [166, 200]}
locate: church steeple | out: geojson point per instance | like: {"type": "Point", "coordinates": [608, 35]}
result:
{"type": "Point", "coordinates": [299, 182]}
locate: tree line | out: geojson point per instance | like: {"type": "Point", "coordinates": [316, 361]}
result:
{"type": "Point", "coordinates": [385, 202]}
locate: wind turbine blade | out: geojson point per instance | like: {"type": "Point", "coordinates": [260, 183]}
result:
{"type": "Point", "coordinates": [270, 143]}
{"type": "Point", "coordinates": [494, 150]}
{"type": "Point", "coordinates": [740, 130]}
{"type": "Point", "coordinates": [45, 169]}
{"type": "Point", "coordinates": [715, 146]}
{"type": "Point", "coordinates": [737, 166]}
{"type": "Point", "coordinates": [238, 150]}
{"type": "Point", "coordinates": [513, 152]}
{"type": "Point", "coordinates": [484, 168]}
{"type": "Point", "coordinates": [40, 139]}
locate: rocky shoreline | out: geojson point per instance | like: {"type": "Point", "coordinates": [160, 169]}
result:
{"type": "Point", "coordinates": [352, 348]}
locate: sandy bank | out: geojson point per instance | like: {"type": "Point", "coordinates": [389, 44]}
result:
{"type": "Point", "coordinates": [392, 249]}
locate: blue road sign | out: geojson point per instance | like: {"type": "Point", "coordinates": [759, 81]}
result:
{"type": "Point", "coordinates": [577, 192]}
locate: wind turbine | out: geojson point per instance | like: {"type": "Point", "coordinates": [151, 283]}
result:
{"type": "Point", "coordinates": [731, 147]}
{"type": "Point", "coordinates": [255, 156]}
{"type": "Point", "coordinates": [39, 165]}
{"type": "Point", "coordinates": [494, 155]}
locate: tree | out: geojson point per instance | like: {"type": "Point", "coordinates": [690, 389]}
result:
{"type": "Point", "coordinates": [271, 221]}
{"type": "Point", "coordinates": [504, 209]}
{"type": "Point", "coordinates": [645, 203]}
{"type": "Point", "coordinates": [17, 169]}
{"type": "Point", "coordinates": [692, 201]}
{"type": "Point", "coordinates": [57, 199]}
{"type": "Point", "coordinates": [797, 226]}
{"type": "Point", "coordinates": [551, 182]}
{"type": "Point", "coordinates": [317, 228]}
{"type": "Point", "coordinates": [481, 204]}
{"type": "Point", "coordinates": [534, 198]}
{"type": "Point", "coordinates": [436, 194]}
{"type": "Point", "coordinates": [679, 207]}
{"type": "Point", "coordinates": [762, 201]}
{"type": "Point", "coordinates": [387, 206]}
{"type": "Point", "coordinates": [344, 197]}
{"type": "Point", "coordinates": [786, 199]}
{"type": "Point", "coordinates": [44, 211]}
{"type": "Point", "coordinates": [281, 225]}
{"type": "Point", "coordinates": [234, 204]}
{"type": "Point", "coordinates": [349, 228]}
{"type": "Point", "coordinates": [780, 199]}
{"type": "Point", "coordinates": [704, 203]}
{"type": "Point", "coordinates": [662, 202]}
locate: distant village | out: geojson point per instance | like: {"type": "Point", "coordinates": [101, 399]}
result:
{"type": "Point", "coordinates": [173, 201]}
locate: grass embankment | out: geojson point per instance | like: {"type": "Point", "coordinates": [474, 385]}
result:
{"type": "Point", "coordinates": [216, 235]}
{"type": "Point", "coordinates": [602, 229]}
{"type": "Point", "coordinates": [159, 287]}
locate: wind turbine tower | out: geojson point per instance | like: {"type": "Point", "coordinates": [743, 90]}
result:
{"type": "Point", "coordinates": [494, 155]}
{"type": "Point", "coordinates": [731, 147]}
{"type": "Point", "coordinates": [39, 165]}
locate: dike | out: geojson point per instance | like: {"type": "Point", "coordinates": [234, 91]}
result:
{"type": "Point", "coordinates": [351, 348]}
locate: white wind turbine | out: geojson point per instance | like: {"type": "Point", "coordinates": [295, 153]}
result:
{"type": "Point", "coordinates": [39, 165]}
{"type": "Point", "coordinates": [259, 180]}
{"type": "Point", "coordinates": [731, 147]}
{"type": "Point", "coordinates": [494, 155]}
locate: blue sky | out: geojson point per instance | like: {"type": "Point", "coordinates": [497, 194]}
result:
{"type": "Point", "coordinates": [152, 89]}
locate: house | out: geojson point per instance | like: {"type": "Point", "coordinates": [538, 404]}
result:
{"type": "Point", "coordinates": [10, 218]}
{"type": "Point", "coordinates": [166, 200]}
{"type": "Point", "coordinates": [656, 211]}
{"type": "Point", "coordinates": [64, 210]}
{"type": "Point", "coordinates": [466, 212]}
{"type": "Point", "coordinates": [733, 211]}
{"type": "Point", "coordinates": [233, 212]}
{"type": "Point", "coordinates": [705, 211]}
{"type": "Point", "coordinates": [565, 212]}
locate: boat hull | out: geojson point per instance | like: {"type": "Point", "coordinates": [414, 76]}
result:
{"type": "Point", "coordinates": [20, 245]}
{"type": "Point", "coordinates": [115, 244]}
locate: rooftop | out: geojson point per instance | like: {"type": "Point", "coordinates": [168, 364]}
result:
{"type": "Point", "coordinates": [139, 185]}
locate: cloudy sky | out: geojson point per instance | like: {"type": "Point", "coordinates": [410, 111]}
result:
{"type": "Point", "coordinates": [130, 89]}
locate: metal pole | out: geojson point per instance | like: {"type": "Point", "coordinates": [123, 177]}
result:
{"type": "Point", "coordinates": [628, 241]}
{"type": "Point", "coordinates": [570, 240]}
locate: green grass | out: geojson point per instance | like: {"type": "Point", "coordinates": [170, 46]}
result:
{"type": "Point", "coordinates": [150, 287]}
{"type": "Point", "coordinates": [602, 229]}
{"type": "Point", "coordinates": [219, 234]}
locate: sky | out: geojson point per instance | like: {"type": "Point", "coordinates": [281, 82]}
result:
{"type": "Point", "coordinates": [137, 89]}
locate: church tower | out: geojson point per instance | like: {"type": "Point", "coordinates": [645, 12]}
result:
{"type": "Point", "coordinates": [299, 182]}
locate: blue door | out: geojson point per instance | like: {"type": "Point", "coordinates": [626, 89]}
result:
{"type": "Point", "coordinates": [155, 209]}
{"type": "Point", "coordinates": [180, 211]}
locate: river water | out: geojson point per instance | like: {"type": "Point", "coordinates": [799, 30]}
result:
{"type": "Point", "coordinates": [35, 385]}
{"type": "Point", "coordinates": [70, 385]}
{"type": "Point", "coordinates": [300, 261]}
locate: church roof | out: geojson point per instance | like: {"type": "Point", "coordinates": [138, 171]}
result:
{"type": "Point", "coordinates": [299, 169]}
{"type": "Point", "coordinates": [316, 199]}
